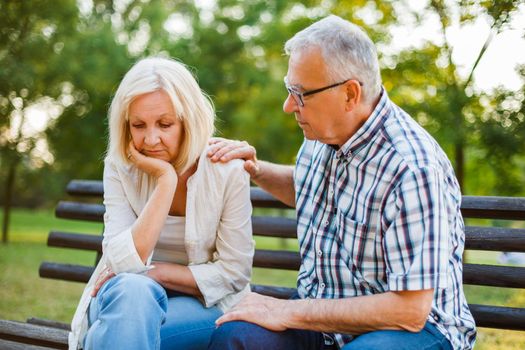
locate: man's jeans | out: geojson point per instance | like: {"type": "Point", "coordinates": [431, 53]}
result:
{"type": "Point", "coordinates": [243, 335]}
{"type": "Point", "coordinates": [134, 312]}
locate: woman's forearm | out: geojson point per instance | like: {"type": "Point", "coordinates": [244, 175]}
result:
{"type": "Point", "coordinates": [146, 229]}
{"type": "Point", "coordinates": [175, 277]}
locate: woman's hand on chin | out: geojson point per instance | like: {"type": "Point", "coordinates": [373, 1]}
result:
{"type": "Point", "coordinates": [152, 166]}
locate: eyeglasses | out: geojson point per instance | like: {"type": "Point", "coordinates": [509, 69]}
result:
{"type": "Point", "coordinates": [299, 96]}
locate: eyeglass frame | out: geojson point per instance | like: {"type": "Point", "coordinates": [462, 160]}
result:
{"type": "Point", "coordinates": [301, 95]}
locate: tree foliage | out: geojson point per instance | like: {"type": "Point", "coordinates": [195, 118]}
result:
{"type": "Point", "coordinates": [76, 53]}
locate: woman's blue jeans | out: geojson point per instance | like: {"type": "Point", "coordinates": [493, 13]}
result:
{"type": "Point", "coordinates": [134, 312]}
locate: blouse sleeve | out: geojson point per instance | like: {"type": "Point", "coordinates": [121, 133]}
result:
{"type": "Point", "coordinates": [231, 268]}
{"type": "Point", "coordinates": [118, 245]}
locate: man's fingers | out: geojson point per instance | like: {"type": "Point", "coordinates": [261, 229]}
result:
{"type": "Point", "coordinates": [229, 316]}
{"type": "Point", "coordinates": [251, 168]}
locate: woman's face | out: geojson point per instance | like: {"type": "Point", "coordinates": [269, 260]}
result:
{"type": "Point", "coordinates": [155, 129]}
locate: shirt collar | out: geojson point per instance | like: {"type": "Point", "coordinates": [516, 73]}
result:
{"type": "Point", "coordinates": [368, 130]}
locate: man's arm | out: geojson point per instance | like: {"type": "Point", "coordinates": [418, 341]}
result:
{"type": "Point", "coordinates": [277, 179]}
{"type": "Point", "coordinates": [406, 310]}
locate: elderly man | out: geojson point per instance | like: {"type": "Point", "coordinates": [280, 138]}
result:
{"type": "Point", "coordinates": [378, 210]}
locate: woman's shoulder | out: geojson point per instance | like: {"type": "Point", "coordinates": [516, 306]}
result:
{"type": "Point", "coordinates": [233, 168]}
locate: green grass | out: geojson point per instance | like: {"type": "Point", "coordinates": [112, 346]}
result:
{"type": "Point", "coordinates": [24, 294]}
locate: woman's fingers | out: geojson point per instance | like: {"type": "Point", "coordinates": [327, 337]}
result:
{"type": "Point", "coordinates": [105, 275]}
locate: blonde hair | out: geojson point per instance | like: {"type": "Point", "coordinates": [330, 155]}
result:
{"type": "Point", "coordinates": [192, 106]}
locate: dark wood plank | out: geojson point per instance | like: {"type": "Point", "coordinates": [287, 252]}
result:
{"type": "Point", "coordinates": [495, 239]}
{"type": "Point", "coordinates": [75, 240]}
{"type": "Point", "coordinates": [49, 323]}
{"type": "Point", "coordinates": [34, 335]}
{"type": "Point", "coordinates": [274, 291]}
{"type": "Point", "coordinates": [85, 188]}
{"type": "Point", "coordinates": [495, 276]}
{"type": "Point", "coordinates": [11, 345]}
{"type": "Point", "coordinates": [80, 211]}
{"type": "Point", "coordinates": [276, 259]}
{"type": "Point", "coordinates": [498, 317]}
{"type": "Point", "coordinates": [66, 272]}
{"type": "Point", "coordinates": [272, 226]}
{"type": "Point", "coordinates": [509, 208]}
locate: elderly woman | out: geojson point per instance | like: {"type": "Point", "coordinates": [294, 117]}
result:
{"type": "Point", "coordinates": [177, 245]}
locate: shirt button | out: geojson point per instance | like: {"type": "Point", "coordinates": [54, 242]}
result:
{"type": "Point", "coordinates": [319, 253]}
{"type": "Point", "coordinates": [322, 285]}
{"type": "Point", "coordinates": [436, 317]}
{"type": "Point", "coordinates": [326, 223]}
{"type": "Point", "coordinates": [331, 191]}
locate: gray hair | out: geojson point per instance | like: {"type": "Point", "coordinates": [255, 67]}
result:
{"type": "Point", "coordinates": [346, 49]}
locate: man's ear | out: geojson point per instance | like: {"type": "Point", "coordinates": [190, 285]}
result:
{"type": "Point", "coordinates": [353, 94]}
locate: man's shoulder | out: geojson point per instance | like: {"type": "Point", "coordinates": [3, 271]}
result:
{"type": "Point", "coordinates": [410, 142]}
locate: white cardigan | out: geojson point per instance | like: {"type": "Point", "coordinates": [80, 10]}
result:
{"type": "Point", "coordinates": [218, 236]}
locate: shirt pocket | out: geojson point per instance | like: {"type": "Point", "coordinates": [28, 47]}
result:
{"type": "Point", "coordinates": [356, 244]}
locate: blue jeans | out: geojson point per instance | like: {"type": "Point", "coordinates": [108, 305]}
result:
{"type": "Point", "coordinates": [243, 335]}
{"type": "Point", "coordinates": [134, 312]}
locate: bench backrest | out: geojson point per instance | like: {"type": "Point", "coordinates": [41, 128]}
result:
{"type": "Point", "coordinates": [477, 238]}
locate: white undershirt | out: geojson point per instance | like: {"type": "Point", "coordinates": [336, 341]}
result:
{"type": "Point", "coordinates": [170, 246]}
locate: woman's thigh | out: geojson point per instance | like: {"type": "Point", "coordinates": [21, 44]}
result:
{"type": "Point", "coordinates": [188, 324]}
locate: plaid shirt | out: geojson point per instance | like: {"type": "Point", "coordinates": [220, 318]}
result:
{"type": "Point", "coordinates": [382, 213]}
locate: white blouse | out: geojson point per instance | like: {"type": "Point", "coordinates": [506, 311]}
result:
{"type": "Point", "coordinates": [218, 232]}
{"type": "Point", "coordinates": [170, 246]}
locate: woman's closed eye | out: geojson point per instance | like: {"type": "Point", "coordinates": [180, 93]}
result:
{"type": "Point", "coordinates": [138, 126]}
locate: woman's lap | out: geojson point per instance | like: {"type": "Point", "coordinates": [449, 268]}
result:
{"type": "Point", "coordinates": [188, 324]}
{"type": "Point", "coordinates": [134, 309]}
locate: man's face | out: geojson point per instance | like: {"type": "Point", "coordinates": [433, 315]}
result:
{"type": "Point", "coordinates": [323, 116]}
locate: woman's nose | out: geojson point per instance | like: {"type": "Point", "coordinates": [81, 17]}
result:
{"type": "Point", "coordinates": [151, 137]}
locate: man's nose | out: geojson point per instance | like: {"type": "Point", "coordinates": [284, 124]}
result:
{"type": "Point", "coordinates": [290, 106]}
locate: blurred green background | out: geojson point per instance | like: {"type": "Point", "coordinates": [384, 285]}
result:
{"type": "Point", "coordinates": [61, 61]}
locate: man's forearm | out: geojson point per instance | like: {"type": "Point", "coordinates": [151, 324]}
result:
{"type": "Point", "coordinates": [277, 179]}
{"type": "Point", "coordinates": [357, 315]}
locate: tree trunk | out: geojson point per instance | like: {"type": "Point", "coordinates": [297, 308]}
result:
{"type": "Point", "coordinates": [9, 189]}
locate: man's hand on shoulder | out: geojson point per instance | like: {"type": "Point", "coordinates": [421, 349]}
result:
{"type": "Point", "coordinates": [264, 311]}
{"type": "Point", "coordinates": [224, 150]}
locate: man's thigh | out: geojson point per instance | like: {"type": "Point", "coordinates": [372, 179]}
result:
{"type": "Point", "coordinates": [244, 335]}
{"type": "Point", "coordinates": [427, 339]}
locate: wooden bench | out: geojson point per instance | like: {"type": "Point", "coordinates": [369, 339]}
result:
{"type": "Point", "coordinates": [49, 334]}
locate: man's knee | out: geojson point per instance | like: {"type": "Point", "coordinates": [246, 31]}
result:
{"type": "Point", "coordinates": [236, 335]}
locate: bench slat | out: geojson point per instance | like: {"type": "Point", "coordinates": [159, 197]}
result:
{"type": "Point", "coordinates": [498, 317]}
{"type": "Point", "coordinates": [276, 259]}
{"type": "Point", "coordinates": [80, 211]}
{"type": "Point", "coordinates": [494, 276]}
{"type": "Point", "coordinates": [485, 207]}
{"type": "Point", "coordinates": [482, 275]}
{"type": "Point", "coordinates": [11, 345]}
{"type": "Point", "coordinates": [477, 238]}
{"type": "Point", "coordinates": [26, 333]}
{"type": "Point", "coordinates": [495, 239]}
{"type": "Point", "coordinates": [509, 208]}
{"type": "Point", "coordinates": [85, 188]}
{"type": "Point", "coordinates": [75, 240]}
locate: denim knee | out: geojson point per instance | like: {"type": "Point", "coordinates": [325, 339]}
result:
{"type": "Point", "coordinates": [232, 335]}
{"type": "Point", "coordinates": [135, 290]}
